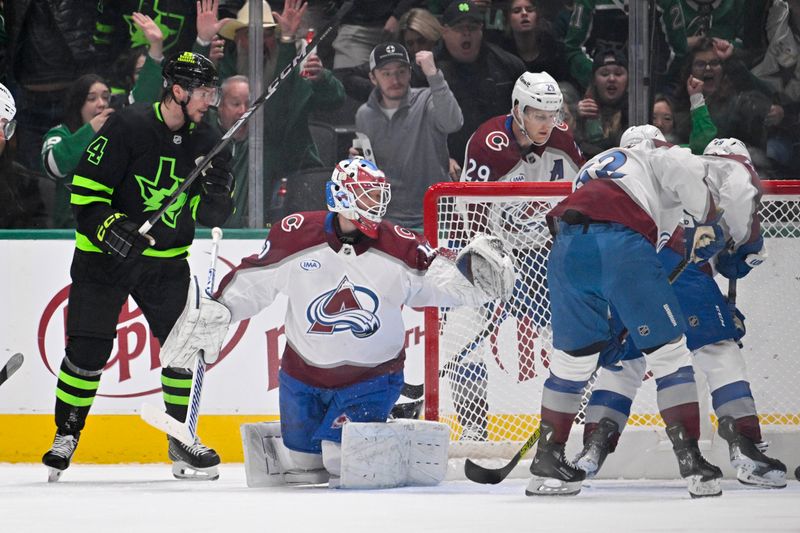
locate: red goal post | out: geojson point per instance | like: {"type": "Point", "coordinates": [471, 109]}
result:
{"type": "Point", "coordinates": [488, 365]}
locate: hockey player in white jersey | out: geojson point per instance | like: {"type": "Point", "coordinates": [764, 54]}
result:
{"type": "Point", "coordinates": [711, 332]}
{"type": "Point", "coordinates": [531, 143]}
{"type": "Point", "coordinates": [626, 204]}
{"type": "Point", "coordinates": [346, 274]}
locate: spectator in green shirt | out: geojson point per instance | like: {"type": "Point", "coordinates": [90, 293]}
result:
{"type": "Point", "coordinates": [85, 111]}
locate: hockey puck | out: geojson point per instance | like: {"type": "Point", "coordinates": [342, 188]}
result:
{"type": "Point", "coordinates": [797, 473]}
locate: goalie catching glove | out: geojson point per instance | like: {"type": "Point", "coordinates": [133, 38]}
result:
{"type": "Point", "coordinates": [200, 329]}
{"type": "Point", "coordinates": [702, 240]}
{"type": "Point", "coordinates": [486, 265]}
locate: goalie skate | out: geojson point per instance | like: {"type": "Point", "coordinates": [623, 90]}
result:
{"type": "Point", "coordinates": [702, 477]}
{"type": "Point", "coordinates": [597, 447]}
{"type": "Point", "coordinates": [198, 462]}
{"type": "Point", "coordinates": [58, 457]}
{"type": "Point", "coordinates": [553, 474]}
{"type": "Point", "coordinates": [753, 466]}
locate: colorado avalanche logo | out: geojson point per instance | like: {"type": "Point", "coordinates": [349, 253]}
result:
{"type": "Point", "coordinates": [497, 140]}
{"type": "Point", "coordinates": [347, 307]}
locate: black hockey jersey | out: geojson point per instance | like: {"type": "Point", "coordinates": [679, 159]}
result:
{"type": "Point", "coordinates": [134, 163]}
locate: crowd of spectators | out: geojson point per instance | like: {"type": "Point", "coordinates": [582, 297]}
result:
{"type": "Point", "coordinates": [719, 68]}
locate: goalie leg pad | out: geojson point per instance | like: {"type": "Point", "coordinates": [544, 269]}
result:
{"type": "Point", "coordinates": [395, 454]}
{"type": "Point", "coordinates": [262, 444]}
{"type": "Point", "coordinates": [268, 462]}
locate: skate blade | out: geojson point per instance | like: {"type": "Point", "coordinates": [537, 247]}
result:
{"type": "Point", "coordinates": [771, 479]}
{"type": "Point", "coordinates": [552, 487]}
{"type": "Point", "coordinates": [53, 474]}
{"type": "Point", "coordinates": [703, 489]}
{"type": "Point", "coordinates": [181, 470]}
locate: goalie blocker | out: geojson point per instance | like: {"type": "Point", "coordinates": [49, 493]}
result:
{"type": "Point", "coordinates": [373, 455]}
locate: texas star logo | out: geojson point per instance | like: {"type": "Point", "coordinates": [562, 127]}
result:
{"type": "Point", "coordinates": [348, 307]}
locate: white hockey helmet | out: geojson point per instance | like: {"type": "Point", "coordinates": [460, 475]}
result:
{"type": "Point", "coordinates": [350, 192]}
{"type": "Point", "coordinates": [726, 146]}
{"type": "Point", "coordinates": [538, 90]}
{"type": "Point", "coordinates": [636, 134]}
{"type": "Point", "coordinates": [7, 111]}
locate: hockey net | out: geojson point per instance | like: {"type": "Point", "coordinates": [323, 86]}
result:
{"type": "Point", "coordinates": [485, 368]}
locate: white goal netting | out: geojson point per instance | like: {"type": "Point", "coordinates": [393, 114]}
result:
{"type": "Point", "coordinates": [485, 367]}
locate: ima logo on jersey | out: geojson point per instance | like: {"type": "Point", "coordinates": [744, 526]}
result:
{"type": "Point", "coordinates": [345, 308]}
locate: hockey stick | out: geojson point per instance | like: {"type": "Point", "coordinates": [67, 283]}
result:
{"type": "Point", "coordinates": [732, 306]}
{"type": "Point", "coordinates": [492, 476]}
{"type": "Point", "coordinates": [491, 326]}
{"type": "Point", "coordinates": [413, 392]}
{"type": "Point", "coordinates": [226, 138]}
{"type": "Point", "coordinates": [186, 431]}
{"type": "Point", "coordinates": [11, 366]}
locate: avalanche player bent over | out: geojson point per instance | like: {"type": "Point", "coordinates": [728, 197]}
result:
{"type": "Point", "coordinates": [710, 334]}
{"type": "Point", "coordinates": [347, 275]}
{"type": "Point", "coordinates": [626, 204]}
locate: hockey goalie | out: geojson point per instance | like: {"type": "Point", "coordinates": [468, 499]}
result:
{"type": "Point", "coordinates": [346, 274]}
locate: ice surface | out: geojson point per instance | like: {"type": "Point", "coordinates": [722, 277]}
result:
{"type": "Point", "coordinates": [145, 498]}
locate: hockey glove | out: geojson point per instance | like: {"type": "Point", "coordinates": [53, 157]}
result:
{"type": "Point", "coordinates": [615, 351]}
{"type": "Point", "coordinates": [200, 330]}
{"type": "Point", "coordinates": [735, 265]}
{"type": "Point", "coordinates": [702, 240]}
{"type": "Point", "coordinates": [217, 178]}
{"type": "Point", "coordinates": [486, 265]}
{"type": "Point", "coordinates": [120, 237]}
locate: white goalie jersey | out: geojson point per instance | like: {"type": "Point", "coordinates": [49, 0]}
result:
{"type": "Point", "coordinates": [345, 301]}
{"type": "Point", "coordinates": [647, 187]}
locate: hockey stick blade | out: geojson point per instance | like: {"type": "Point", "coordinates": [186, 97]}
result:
{"type": "Point", "coordinates": [413, 392]}
{"type": "Point", "coordinates": [11, 366]}
{"type": "Point", "coordinates": [493, 476]}
{"type": "Point", "coordinates": [164, 422]}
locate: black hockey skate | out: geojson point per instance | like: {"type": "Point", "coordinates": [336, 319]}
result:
{"type": "Point", "coordinates": [752, 466]}
{"type": "Point", "coordinates": [597, 447]}
{"type": "Point", "coordinates": [58, 457]}
{"type": "Point", "coordinates": [553, 474]}
{"type": "Point", "coordinates": [701, 476]}
{"type": "Point", "coordinates": [193, 462]}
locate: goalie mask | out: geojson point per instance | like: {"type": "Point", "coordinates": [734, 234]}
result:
{"type": "Point", "coordinates": [636, 134]}
{"type": "Point", "coordinates": [360, 192]}
{"type": "Point", "coordinates": [727, 146]}
{"type": "Point", "coordinates": [537, 90]}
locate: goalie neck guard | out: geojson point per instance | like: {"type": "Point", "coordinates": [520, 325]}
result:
{"type": "Point", "coordinates": [360, 192]}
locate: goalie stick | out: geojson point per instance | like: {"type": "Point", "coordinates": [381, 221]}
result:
{"type": "Point", "coordinates": [11, 366]}
{"type": "Point", "coordinates": [186, 431]}
{"type": "Point", "coordinates": [492, 476]}
{"type": "Point", "coordinates": [226, 138]}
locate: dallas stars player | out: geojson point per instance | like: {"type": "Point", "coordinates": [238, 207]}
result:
{"type": "Point", "coordinates": [138, 158]}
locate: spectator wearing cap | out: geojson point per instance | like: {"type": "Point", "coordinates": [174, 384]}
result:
{"type": "Point", "coordinates": [603, 112]}
{"type": "Point", "coordinates": [408, 127]}
{"type": "Point", "coordinates": [235, 32]}
{"type": "Point", "coordinates": [480, 74]}
{"type": "Point", "coordinates": [602, 24]}
{"type": "Point", "coordinates": [419, 30]}
{"type": "Point", "coordinates": [287, 142]}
